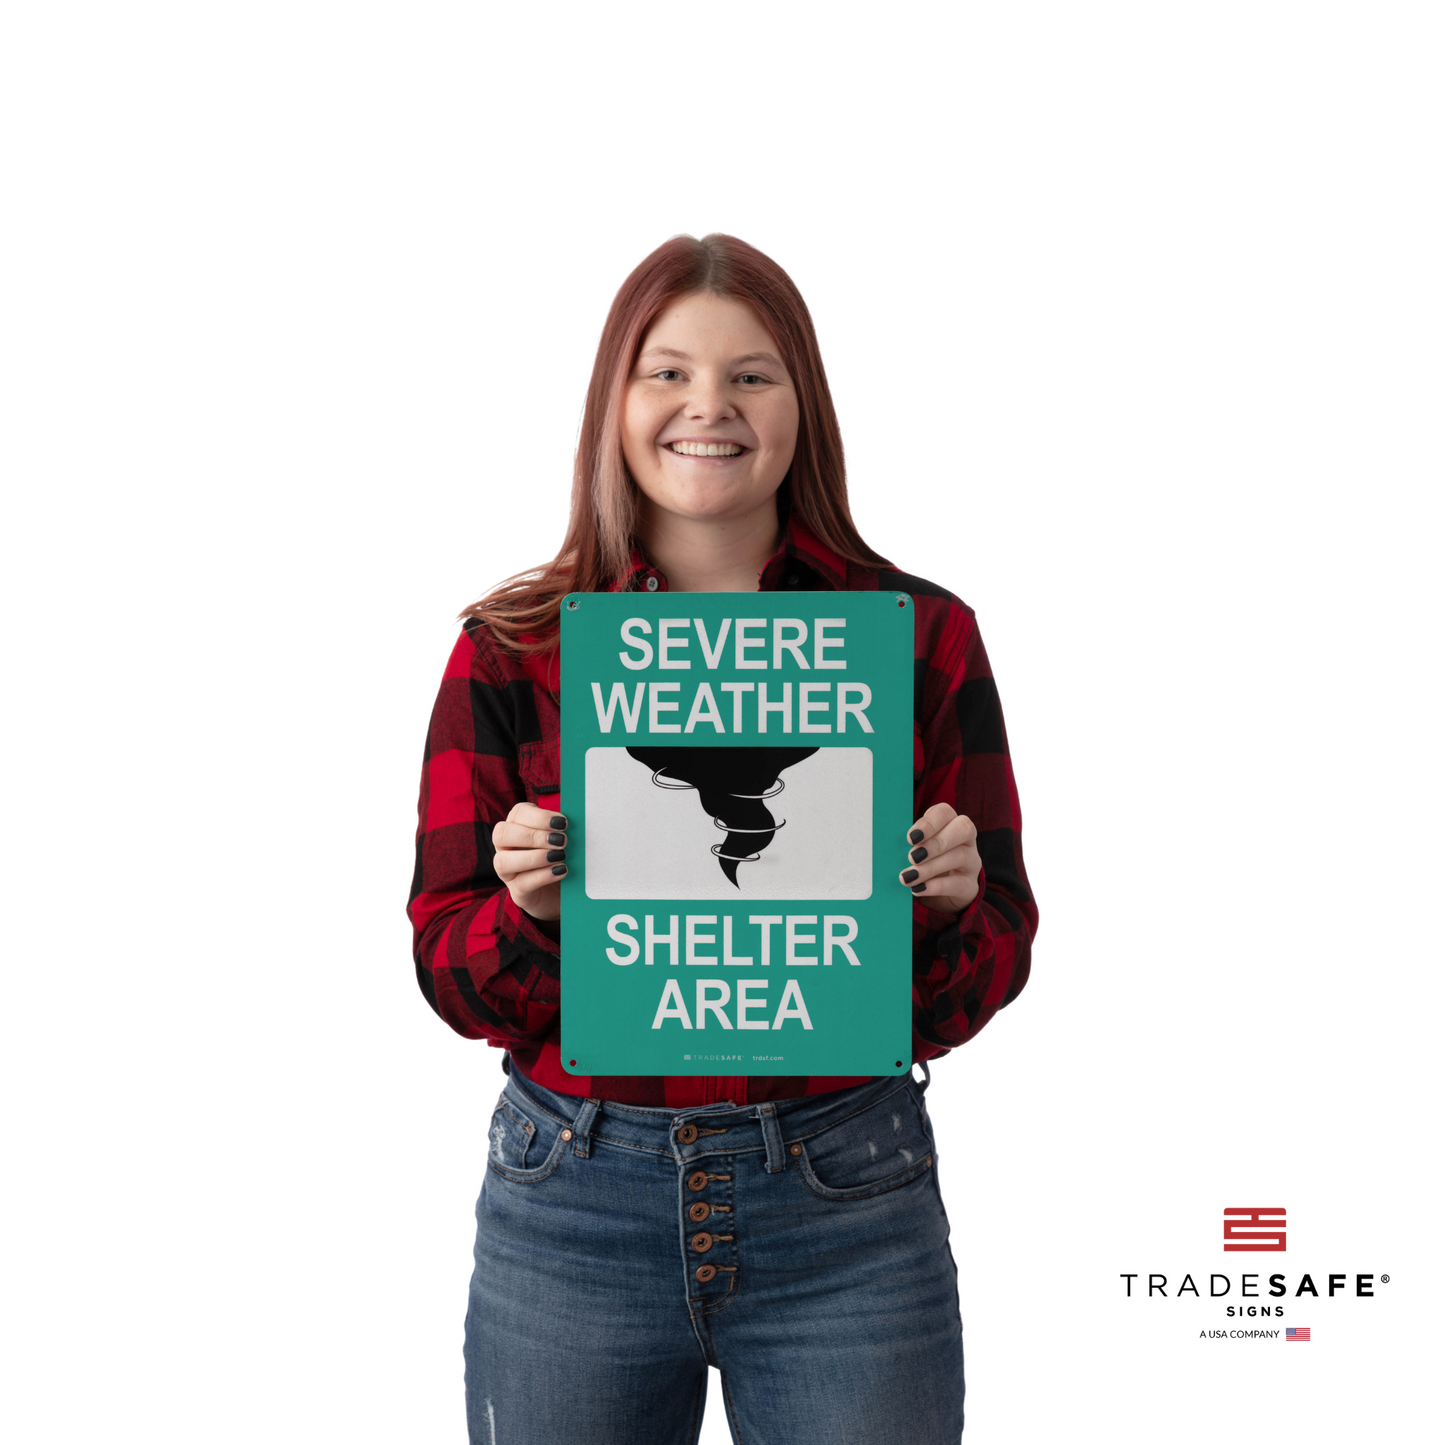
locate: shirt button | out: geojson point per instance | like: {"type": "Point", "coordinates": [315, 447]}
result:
{"type": "Point", "coordinates": [705, 1272]}
{"type": "Point", "coordinates": [652, 584]}
{"type": "Point", "coordinates": [697, 1181]}
{"type": "Point", "coordinates": [790, 580]}
{"type": "Point", "coordinates": [699, 1212]}
{"type": "Point", "coordinates": [702, 1242]}
{"type": "Point", "coordinates": [687, 1134]}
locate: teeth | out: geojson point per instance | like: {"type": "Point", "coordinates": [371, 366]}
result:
{"type": "Point", "coordinates": [706, 449]}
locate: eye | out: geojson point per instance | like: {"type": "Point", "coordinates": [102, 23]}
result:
{"type": "Point", "coordinates": [753, 378]}
{"type": "Point", "coordinates": [668, 373]}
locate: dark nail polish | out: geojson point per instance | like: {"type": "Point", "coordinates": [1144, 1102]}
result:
{"type": "Point", "coordinates": [919, 854]}
{"type": "Point", "coordinates": [916, 836]}
{"type": "Point", "coordinates": [557, 840]}
{"type": "Point", "coordinates": [557, 855]}
{"type": "Point", "coordinates": [917, 887]}
{"type": "Point", "coordinates": [560, 869]}
{"type": "Point", "coordinates": [559, 822]}
{"type": "Point", "coordinates": [910, 875]}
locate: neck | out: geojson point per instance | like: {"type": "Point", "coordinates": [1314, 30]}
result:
{"type": "Point", "coordinates": [708, 555]}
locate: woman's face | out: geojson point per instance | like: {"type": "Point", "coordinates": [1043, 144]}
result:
{"type": "Point", "coordinates": [709, 380]}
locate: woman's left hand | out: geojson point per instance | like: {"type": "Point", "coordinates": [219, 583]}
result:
{"type": "Point", "coordinates": [943, 861]}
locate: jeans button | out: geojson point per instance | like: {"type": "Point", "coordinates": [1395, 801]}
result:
{"type": "Point", "coordinates": [702, 1242]}
{"type": "Point", "coordinates": [699, 1212]}
{"type": "Point", "coordinates": [704, 1273]}
{"type": "Point", "coordinates": [687, 1134]}
{"type": "Point", "coordinates": [696, 1181]}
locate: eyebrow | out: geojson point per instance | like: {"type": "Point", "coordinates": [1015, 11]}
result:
{"type": "Point", "coordinates": [737, 360]}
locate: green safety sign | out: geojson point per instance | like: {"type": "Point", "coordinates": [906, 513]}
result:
{"type": "Point", "coordinates": [737, 773]}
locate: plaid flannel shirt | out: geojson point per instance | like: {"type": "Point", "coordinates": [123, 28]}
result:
{"type": "Point", "coordinates": [492, 971]}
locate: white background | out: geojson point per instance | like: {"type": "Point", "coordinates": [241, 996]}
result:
{"type": "Point", "coordinates": [646, 841]}
{"type": "Point", "coordinates": [1133, 319]}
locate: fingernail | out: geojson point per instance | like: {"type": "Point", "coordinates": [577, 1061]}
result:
{"type": "Point", "coordinates": [556, 855]}
{"type": "Point", "coordinates": [557, 840]}
{"type": "Point", "coordinates": [559, 870]}
{"type": "Point", "coordinates": [917, 887]}
{"type": "Point", "coordinates": [910, 875]}
{"type": "Point", "coordinates": [559, 821]}
{"type": "Point", "coordinates": [919, 854]}
{"type": "Point", "coordinates": [916, 836]}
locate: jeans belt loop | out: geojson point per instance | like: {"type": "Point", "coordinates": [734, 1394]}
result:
{"type": "Point", "coordinates": [582, 1127]}
{"type": "Point", "coordinates": [777, 1159]}
{"type": "Point", "coordinates": [927, 1076]}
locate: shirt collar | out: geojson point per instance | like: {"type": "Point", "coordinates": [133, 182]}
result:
{"type": "Point", "coordinates": [801, 563]}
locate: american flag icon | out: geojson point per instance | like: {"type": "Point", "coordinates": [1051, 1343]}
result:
{"type": "Point", "coordinates": [1291, 1333]}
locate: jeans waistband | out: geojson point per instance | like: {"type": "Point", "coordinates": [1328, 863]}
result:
{"type": "Point", "coordinates": [706, 1130]}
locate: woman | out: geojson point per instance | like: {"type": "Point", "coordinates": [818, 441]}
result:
{"type": "Point", "coordinates": [631, 1231]}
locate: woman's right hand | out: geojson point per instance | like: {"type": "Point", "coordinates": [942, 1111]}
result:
{"type": "Point", "coordinates": [530, 857]}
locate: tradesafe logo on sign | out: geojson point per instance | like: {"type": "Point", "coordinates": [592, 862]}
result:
{"type": "Point", "coordinates": [1253, 1229]}
{"type": "Point", "coordinates": [1259, 1230]}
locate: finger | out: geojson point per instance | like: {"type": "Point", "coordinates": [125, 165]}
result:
{"type": "Point", "coordinates": [536, 879]}
{"type": "Point", "coordinates": [516, 835]}
{"type": "Point", "coordinates": [963, 859]}
{"type": "Point", "coordinates": [931, 823]}
{"type": "Point", "coordinates": [511, 863]}
{"type": "Point", "coordinates": [950, 891]}
{"type": "Point", "coordinates": [539, 818]}
{"type": "Point", "coordinates": [958, 832]}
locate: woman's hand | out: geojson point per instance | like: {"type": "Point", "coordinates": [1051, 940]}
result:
{"type": "Point", "coordinates": [943, 860]}
{"type": "Point", "coordinates": [531, 855]}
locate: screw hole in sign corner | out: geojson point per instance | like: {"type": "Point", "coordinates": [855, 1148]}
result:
{"type": "Point", "coordinates": [571, 1063]}
{"type": "Point", "coordinates": [572, 606]}
{"type": "Point", "coordinates": [897, 1063]}
{"type": "Point", "coordinates": [902, 600]}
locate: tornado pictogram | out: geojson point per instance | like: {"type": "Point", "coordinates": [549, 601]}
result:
{"type": "Point", "coordinates": [734, 786]}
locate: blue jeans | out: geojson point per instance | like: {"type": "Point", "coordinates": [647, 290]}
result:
{"type": "Point", "coordinates": [800, 1246]}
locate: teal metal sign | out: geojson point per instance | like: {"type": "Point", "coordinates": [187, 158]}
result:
{"type": "Point", "coordinates": [737, 773]}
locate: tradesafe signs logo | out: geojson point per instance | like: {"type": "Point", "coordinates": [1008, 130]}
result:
{"type": "Point", "coordinates": [1242, 1230]}
{"type": "Point", "coordinates": [1255, 1230]}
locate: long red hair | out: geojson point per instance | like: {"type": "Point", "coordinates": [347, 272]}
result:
{"type": "Point", "coordinates": [596, 553]}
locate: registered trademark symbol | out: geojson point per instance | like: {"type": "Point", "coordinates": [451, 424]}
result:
{"type": "Point", "coordinates": [1384, 1279]}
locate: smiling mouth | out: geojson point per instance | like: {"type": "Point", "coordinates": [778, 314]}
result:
{"type": "Point", "coordinates": [706, 449]}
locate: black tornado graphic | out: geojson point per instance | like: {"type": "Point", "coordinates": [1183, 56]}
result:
{"type": "Point", "coordinates": [733, 786]}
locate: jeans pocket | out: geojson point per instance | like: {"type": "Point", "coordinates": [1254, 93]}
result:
{"type": "Point", "coordinates": [877, 1149]}
{"type": "Point", "coordinates": [519, 1148]}
{"type": "Point", "coordinates": [510, 1135]}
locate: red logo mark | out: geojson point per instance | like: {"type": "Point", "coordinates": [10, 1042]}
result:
{"type": "Point", "coordinates": [1253, 1229]}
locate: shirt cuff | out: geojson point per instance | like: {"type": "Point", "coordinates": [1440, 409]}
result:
{"type": "Point", "coordinates": [939, 926]}
{"type": "Point", "coordinates": [540, 933]}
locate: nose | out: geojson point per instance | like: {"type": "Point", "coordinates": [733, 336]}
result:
{"type": "Point", "coordinates": [708, 401]}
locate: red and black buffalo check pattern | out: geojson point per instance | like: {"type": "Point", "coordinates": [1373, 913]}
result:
{"type": "Point", "coordinates": [491, 971]}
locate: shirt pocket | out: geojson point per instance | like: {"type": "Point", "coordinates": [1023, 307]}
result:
{"type": "Point", "coordinates": [877, 1149]}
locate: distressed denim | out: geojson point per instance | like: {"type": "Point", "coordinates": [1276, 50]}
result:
{"type": "Point", "coordinates": [799, 1246]}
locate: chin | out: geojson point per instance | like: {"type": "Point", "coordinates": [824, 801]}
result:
{"type": "Point", "coordinates": [717, 500]}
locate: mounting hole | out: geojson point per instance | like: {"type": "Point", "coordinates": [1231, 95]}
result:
{"type": "Point", "coordinates": [572, 1063]}
{"type": "Point", "coordinates": [572, 605]}
{"type": "Point", "coordinates": [897, 1063]}
{"type": "Point", "coordinates": [902, 601]}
